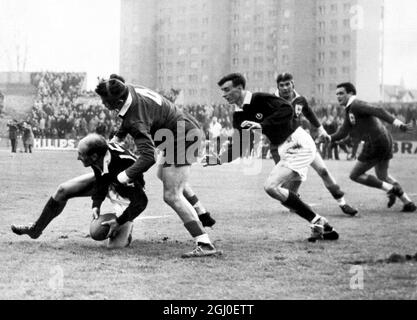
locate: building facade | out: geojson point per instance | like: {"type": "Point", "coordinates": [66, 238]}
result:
{"type": "Point", "coordinates": [190, 44]}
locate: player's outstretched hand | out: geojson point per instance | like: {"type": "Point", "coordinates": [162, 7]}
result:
{"type": "Point", "coordinates": [407, 127]}
{"type": "Point", "coordinates": [250, 125]}
{"type": "Point", "coordinates": [324, 138]}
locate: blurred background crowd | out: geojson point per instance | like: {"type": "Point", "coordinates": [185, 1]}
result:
{"type": "Point", "coordinates": [62, 110]}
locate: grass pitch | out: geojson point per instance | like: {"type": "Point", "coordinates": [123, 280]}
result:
{"type": "Point", "coordinates": [265, 255]}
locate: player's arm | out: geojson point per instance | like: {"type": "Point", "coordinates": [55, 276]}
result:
{"type": "Point", "coordinates": [135, 193]}
{"type": "Point", "coordinates": [146, 159]}
{"type": "Point", "coordinates": [281, 116]}
{"type": "Point", "coordinates": [381, 113]}
{"type": "Point", "coordinates": [341, 133]}
{"type": "Point", "coordinates": [117, 139]}
{"type": "Point", "coordinates": [138, 203]}
{"type": "Point", "coordinates": [312, 117]}
{"type": "Point", "coordinates": [120, 135]}
{"type": "Point", "coordinates": [99, 194]}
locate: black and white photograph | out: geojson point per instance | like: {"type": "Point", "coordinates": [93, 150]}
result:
{"type": "Point", "coordinates": [220, 152]}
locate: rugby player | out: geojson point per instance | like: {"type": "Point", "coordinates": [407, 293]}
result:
{"type": "Point", "coordinates": [107, 160]}
{"type": "Point", "coordinates": [286, 90]}
{"type": "Point", "coordinates": [153, 122]}
{"type": "Point", "coordinates": [363, 122]}
{"type": "Point", "coordinates": [274, 116]}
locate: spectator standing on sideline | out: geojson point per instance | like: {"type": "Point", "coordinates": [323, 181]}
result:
{"type": "Point", "coordinates": [1, 103]}
{"type": "Point", "coordinates": [13, 132]}
{"type": "Point", "coordinates": [331, 127]}
{"type": "Point", "coordinates": [27, 137]}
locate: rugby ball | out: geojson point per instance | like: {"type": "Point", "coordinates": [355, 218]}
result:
{"type": "Point", "coordinates": [99, 232]}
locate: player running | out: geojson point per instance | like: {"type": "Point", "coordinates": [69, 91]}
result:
{"type": "Point", "coordinates": [107, 160]}
{"type": "Point", "coordinates": [153, 122]}
{"type": "Point", "coordinates": [286, 90]}
{"type": "Point", "coordinates": [274, 116]}
{"type": "Point", "coordinates": [363, 122]}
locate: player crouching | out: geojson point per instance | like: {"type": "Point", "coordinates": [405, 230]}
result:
{"type": "Point", "coordinates": [107, 161]}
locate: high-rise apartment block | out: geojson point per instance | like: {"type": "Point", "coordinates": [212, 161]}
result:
{"type": "Point", "coordinates": [190, 44]}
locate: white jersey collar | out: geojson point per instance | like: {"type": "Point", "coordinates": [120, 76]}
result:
{"type": "Point", "coordinates": [350, 101]}
{"type": "Point", "coordinates": [126, 105]}
{"type": "Point", "coordinates": [296, 95]}
{"type": "Point", "coordinates": [248, 98]}
{"type": "Point", "coordinates": [106, 162]}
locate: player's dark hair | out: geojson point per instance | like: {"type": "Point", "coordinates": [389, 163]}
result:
{"type": "Point", "coordinates": [349, 87]}
{"type": "Point", "coordinates": [113, 89]}
{"type": "Point", "coordinates": [96, 144]}
{"type": "Point", "coordinates": [236, 78]}
{"type": "Point", "coordinates": [285, 76]}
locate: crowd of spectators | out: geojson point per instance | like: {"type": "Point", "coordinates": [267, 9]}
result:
{"type": "Point", "coordinates": [62, 110]}
{"type": "Point", "coordinates": [58, 112]}
{"type": "Point", "coordinates": [1, 103]}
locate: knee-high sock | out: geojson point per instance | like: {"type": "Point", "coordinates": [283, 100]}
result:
{"type": "Point", "coordinates": [195, 202]}
{"type": "Point", "coordinates": [335, 191]}
{"type": "Point", "coordinates": [301, 208]}
{"type": "Point", "coordinates": [51, 210]}
{"type": "Point", "coordinates": [293, 185]}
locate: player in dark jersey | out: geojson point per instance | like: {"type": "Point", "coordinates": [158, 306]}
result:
{"type": "Point", "coordinates": [363, 122]}
{"type": "Point", "coordinates": [107, 161]}
{"type": "Point", "coordinates": [274, 117]}
{"type": "Point", "coordinates": [154, 122]}
{"type": "Point", "coordinates": [286, 90]}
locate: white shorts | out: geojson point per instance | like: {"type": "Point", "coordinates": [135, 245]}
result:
{"type": "Point", "coordinates": [119, 203]}
{"type": "Point", "coordinates": [297, 153]}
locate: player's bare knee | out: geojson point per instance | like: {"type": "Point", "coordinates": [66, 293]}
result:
{"type": "Point", "coordinates": [61, 193]}
{"type": "Point", "coordinates": [272, 189]}
{"type": "Point", "coordinates": [354, 176]}
{"type": "Point", "coordinates": [171, 197]}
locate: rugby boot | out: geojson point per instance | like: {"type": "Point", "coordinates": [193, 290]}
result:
{"type": "Point", "coordinates": [350, 211]}
{"type": "Point", "coordinates": [322, 230]}
{"type": "Point", "coordinates": [207, 220]}
{"type": "Point", "coordinates": [29, 230]}
{"type": "Point", "coordinates": [395, 192]}
{"type": "Point", "coordinates": [409, 207]}
{"type": "Point", "coordinates": [51, 210]}
{"type": "Point", "coordinates": [121, 238]}
{"type": "Point", "coordinates": [202, 250]}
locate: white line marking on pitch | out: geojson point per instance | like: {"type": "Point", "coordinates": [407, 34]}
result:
{"type": "Point", "coordinates": [314, 204]}
{"type": "Point", "coordinates": [154, 217]}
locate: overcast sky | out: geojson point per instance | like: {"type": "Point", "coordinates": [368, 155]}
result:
{"type": "Point", "coordinates": [83, 35]}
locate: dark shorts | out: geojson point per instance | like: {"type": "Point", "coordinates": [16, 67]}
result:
{"type": "Point", "coordinates": [184, 149]}
{"type": "Point", "coordinates": [274, 153]}
{"type": "Point", "coordinates": [378, 150]}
